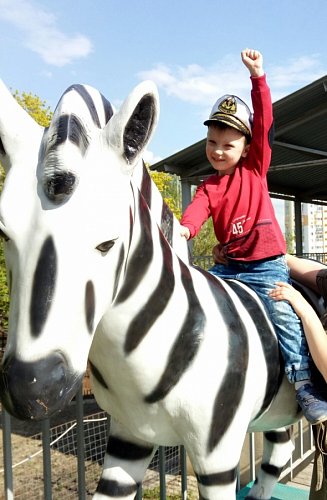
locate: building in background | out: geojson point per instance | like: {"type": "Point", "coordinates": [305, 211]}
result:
{"type": "Point", "coordinates": [314, 220]}
{"type": "Point", "coordinates": [314, 228]}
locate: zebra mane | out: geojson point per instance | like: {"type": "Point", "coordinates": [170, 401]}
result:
{"type": "Point", "coordinates": [161, 212]}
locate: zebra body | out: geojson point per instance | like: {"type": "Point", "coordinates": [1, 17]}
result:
{"type": "Point", "coordinates": [98, 270]}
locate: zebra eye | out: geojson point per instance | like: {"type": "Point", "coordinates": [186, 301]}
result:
{"type": "Point", "coordinates": [105, 246]}
{"type": "Point", "coordinates": [3, 236]}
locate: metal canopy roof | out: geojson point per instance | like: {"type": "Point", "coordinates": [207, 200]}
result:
{"type": "Point", "coordinates": [299, 157]}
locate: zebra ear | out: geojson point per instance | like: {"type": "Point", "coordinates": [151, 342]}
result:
{"type": "Point", "coordinates": [18, 130]}
{"type": "Point", "coordinates": [130, 129]}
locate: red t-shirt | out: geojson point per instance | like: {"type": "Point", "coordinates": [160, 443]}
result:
{"type": "Point", "coordinates": [243, 215]}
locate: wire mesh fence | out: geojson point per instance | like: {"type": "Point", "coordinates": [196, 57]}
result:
{"type": "Point", "coordinates": [27, 460]}
{"type": "Point", "coordinates": [28, 473]}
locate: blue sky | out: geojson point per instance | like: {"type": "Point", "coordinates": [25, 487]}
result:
{"type": "Point", "coordinates": [190, 48]}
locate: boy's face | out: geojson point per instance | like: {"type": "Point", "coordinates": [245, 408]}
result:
{"type": "Point", "coordinates": [224, 149]}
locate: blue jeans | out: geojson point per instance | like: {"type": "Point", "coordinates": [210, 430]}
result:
{"type": "Point", "coordinates": [261, 276]}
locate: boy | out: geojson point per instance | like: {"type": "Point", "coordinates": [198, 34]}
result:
{"type": "Point", "coordinates": [252, 245]}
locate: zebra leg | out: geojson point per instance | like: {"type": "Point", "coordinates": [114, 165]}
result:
{"type": "Point", "coordinates": [277, 450]}
{"type": "Point", "coordinates": [217, 485]}
{"type": "Point", "coordinates": [125, 463]}
{"type": "Point", "coordinates": [216, 472]}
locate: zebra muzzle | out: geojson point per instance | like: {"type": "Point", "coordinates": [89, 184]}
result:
{"type": "Point", "coordinates": [38, 389]}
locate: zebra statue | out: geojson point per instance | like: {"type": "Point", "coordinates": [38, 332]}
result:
{"type": "Point", "coordinates": [97, 270]}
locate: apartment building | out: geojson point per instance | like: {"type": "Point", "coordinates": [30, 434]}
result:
{"type": "Point", "coordinates": [314, 227]}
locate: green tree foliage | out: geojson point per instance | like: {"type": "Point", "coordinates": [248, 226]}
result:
{"type": "Point", "coordinates": [204, 242]}
{"type": "Point", "coordinates": [169, 187]}
{"type": "Point", "coordinates": [38, 109]}
{"type": "Point", "coordinates": [290, 242]}
{"type": "Point", "coordinates": [42, 114]}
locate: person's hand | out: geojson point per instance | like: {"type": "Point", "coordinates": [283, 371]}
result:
{"type": "Point", "coordinates": [185, 232]}
{"type": "Point", "coordinates": [253, 60]}
{"type": "Point", "coordinates": [219, 254]}
{"type": "Point", "coordinates": [284, 291]}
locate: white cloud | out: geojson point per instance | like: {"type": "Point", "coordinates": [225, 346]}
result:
{"type": "Point", "coordinates": [202, 85]}
{"type": "Point", "coordinates": [150, 157]}
{"type": "Point", "coordinates": [197, 84]}
{"type": "Point", "coordinates": [41, 33]}
{"type": "Point", "coordinates": [295, 74]}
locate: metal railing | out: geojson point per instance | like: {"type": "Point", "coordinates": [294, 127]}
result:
{"type": "Point", "coordinates": [206, 261]}
{"type": "Point", "coordinates": [48, 472]}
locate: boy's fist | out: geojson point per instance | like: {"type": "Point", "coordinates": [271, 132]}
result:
{"type": "Point", "coordinates": [253, 60]}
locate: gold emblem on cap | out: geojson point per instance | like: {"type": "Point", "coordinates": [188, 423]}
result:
{"type": "Point", "coordinates": [228, 105]}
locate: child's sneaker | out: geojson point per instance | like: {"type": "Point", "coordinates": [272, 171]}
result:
{"type": "Point", "coordinates": [314, 407]}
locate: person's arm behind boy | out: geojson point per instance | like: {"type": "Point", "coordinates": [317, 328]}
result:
{"type": "Point", "coordinates": [313, 329]}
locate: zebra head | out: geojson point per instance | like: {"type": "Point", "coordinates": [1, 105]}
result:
{"type": "Point", "coordinates": [64, 218]}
